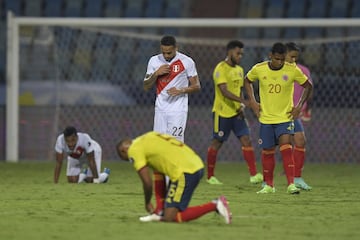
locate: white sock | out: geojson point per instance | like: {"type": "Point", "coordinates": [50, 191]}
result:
{"type": "Point", "coordinates": [82, 177]}
{"type": "Point", "coordinates": [103, 176]}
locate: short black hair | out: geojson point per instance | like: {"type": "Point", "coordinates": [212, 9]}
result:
{"type": "Point", "coordinates": [168, 41]}
{"type": "Point", "coordinates": [234, 44]}
{"type": "Point", "coordinates": [291, 46]}
{"type": "Point", "coordinates": [69, 131]}
{"type": "Point", "coordinates": [279, 48]}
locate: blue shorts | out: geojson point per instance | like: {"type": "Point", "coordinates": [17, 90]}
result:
{"type": "Point", "coordinates": [180, 192]}
{"type": "Point", "coordinates": [298, 126]}
{"type": "Point", "coordinates": [270, 133]}
{"type": "Point", "coordinates": [224, 126]}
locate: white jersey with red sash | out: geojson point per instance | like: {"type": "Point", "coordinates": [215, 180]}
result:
{"type": "Point", "coordinates": [182, 68]}
{"type": "Point", "coordinates": [83, 146]}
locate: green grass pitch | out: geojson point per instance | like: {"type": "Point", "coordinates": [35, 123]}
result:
{"type": "Point", "coordinates": [32, 207]}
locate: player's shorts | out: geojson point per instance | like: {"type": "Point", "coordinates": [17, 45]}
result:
{"type": "Point", "coordinates": [224, 126]}
{"type": "Point", "coordinates": [74, 166]}
{"type": "Point", "coordinates": [270, 133]}
{"type": "Point", "coordinates": [180, 192]}
{"type": "Point", "coordinates": [298, 126]}
{"type": "Point", "coordinates": [172, 123]}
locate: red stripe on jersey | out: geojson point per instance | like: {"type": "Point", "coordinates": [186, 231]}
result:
{"type": "Point", "coordinates": [77, 153]}
{"type": "Point", "coordinates": [175, 69]}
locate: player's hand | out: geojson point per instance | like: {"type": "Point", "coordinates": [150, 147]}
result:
{"type": "Point", "coordinates": [163, 69]}
{"type": "Point", "coordinates": [174, 91]}
{"type": "Point", "coordinates": [255, 106]}
{"type": "Point", "coordinates": [295, 112]}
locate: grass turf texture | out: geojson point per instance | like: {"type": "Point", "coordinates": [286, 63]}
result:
{"type": "Point", "coordinates": [32, 207]}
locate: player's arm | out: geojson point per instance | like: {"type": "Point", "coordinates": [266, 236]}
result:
{"type": "Point", "coordinates": [255, 106]}
{"type": "Point", "coordinates": [59, 159]}
{"type": "Point", "coordinates": [150, 79]}
{"type": "Point", "coordinates": [226, 93]}
{"type": "Point", "coordinates": [304, 97]}
{"type": "Point", "coordinates": [92, 164]}
{"type": "Point", "coordinates": [146, 180]}
{"type": "Point", "coordinates": [194, 86]}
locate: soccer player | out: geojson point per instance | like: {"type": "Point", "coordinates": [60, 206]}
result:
{"type": "Point", "coordinates": [228, 112]}
{"type": "Point", "coordinates": [175, 76]}
{"type": "Point", "coordinates": [171, 157]}
{"type": "Point", "coordinates": [276, 111]}
{"type": "Point", "coordinates": [299, 138]}
{"type": "Point", "coordinates": [81, 150]}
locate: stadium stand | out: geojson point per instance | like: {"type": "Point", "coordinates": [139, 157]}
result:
{"type": "Point", "coordinates": [93, 8]}
{"type": "Point", "coordinates": [113, 8]}
{"type": "Point", "coordinates": [53, 8]}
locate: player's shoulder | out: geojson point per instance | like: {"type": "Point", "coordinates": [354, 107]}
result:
{"type": "Point", "coordinates": [261, 64]}
{"type": "Point", "coordinates": [184, 57]}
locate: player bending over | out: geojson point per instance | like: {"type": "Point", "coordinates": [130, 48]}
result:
{"type": "Point", "coordinates": [80, 150]}
{"type": "Point", "coordinates": [171, 157]}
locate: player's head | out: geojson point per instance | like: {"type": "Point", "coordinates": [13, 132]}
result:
{"type": "Point", "coordinates": [235, 51]}
{"type": "Point", "coordinates": [277, 55]}
{"type": "Point", "coordinates": [168, 47]}
{"type": "Point", "coordinates": [70, 136]}
{"type": "Point", "coordinates": [122, 148]}
{"type": "Point", "coordinates": [292, 52]}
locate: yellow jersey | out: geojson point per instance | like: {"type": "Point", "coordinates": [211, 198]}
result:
{"type": "Point", "coordinates": [234, 79]}
{"type": "Point", "coordinates": [165, 154]}
{"type": "Point", "coordinates": [276, 89]}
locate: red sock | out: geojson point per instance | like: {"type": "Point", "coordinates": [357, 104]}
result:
{"type": "Point", "coordinates": [249, 156]}
{"type": "Point", "coordinates": [211, 161]}
{"type": "Point", "coordinates": [288, 162]}
{"type": "Point", "coordinates": [268, 164]}
{"type": "Point", "coordinates": [192, 213]}
{"type": "Point", "coordinates": [299, 159]}
{"type": "Point", "coordinates": [160, 191]}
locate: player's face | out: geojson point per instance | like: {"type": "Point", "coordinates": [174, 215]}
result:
{"type": "Point", "coordinates": [71, 141]}
{"type": "Point", "coordinates": [236, 55]}
{"type": "Point", "coordinates": [292, 56]}
{"type": "Point", "coordinates": [168, 52]}
{"type": "Point", "coordinates": [277, 60]}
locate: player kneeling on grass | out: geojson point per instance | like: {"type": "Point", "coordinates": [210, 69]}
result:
{"type": "Point", "coordinates": [167, 155]}
{"type": "Point", "coordinates": [81, 150]}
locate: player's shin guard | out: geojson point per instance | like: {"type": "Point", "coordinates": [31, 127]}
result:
{"type": "Point", "coordinates": [160, 191]}
{"type": "Point", "coordinates": [249, 156]}
{"type": "Point", "coordinates": [268, 164]}
{"type": "Point", "coordinates": [195, 212]}
{"type": "Point", "coordinates": [211, 161]}
{"type": "Point", "coordinates": [288, 162]}
{"type": "Point", "coordinates": [299, 159]}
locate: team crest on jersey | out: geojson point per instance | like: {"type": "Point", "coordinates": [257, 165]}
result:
{"type": "Point", "coordinates": [77, 152]}
{"type": "Point", "coordinates": [220, 133]}
{"type": "Point", "coordinates": [285, 77]}
{"type": "Point", "coordinates": [176, 68]}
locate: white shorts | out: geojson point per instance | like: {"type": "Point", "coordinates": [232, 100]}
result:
{"type": "Point", "coordinates": [74, 165]}
{"type": "Point", "coordinates": [172, 123]}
